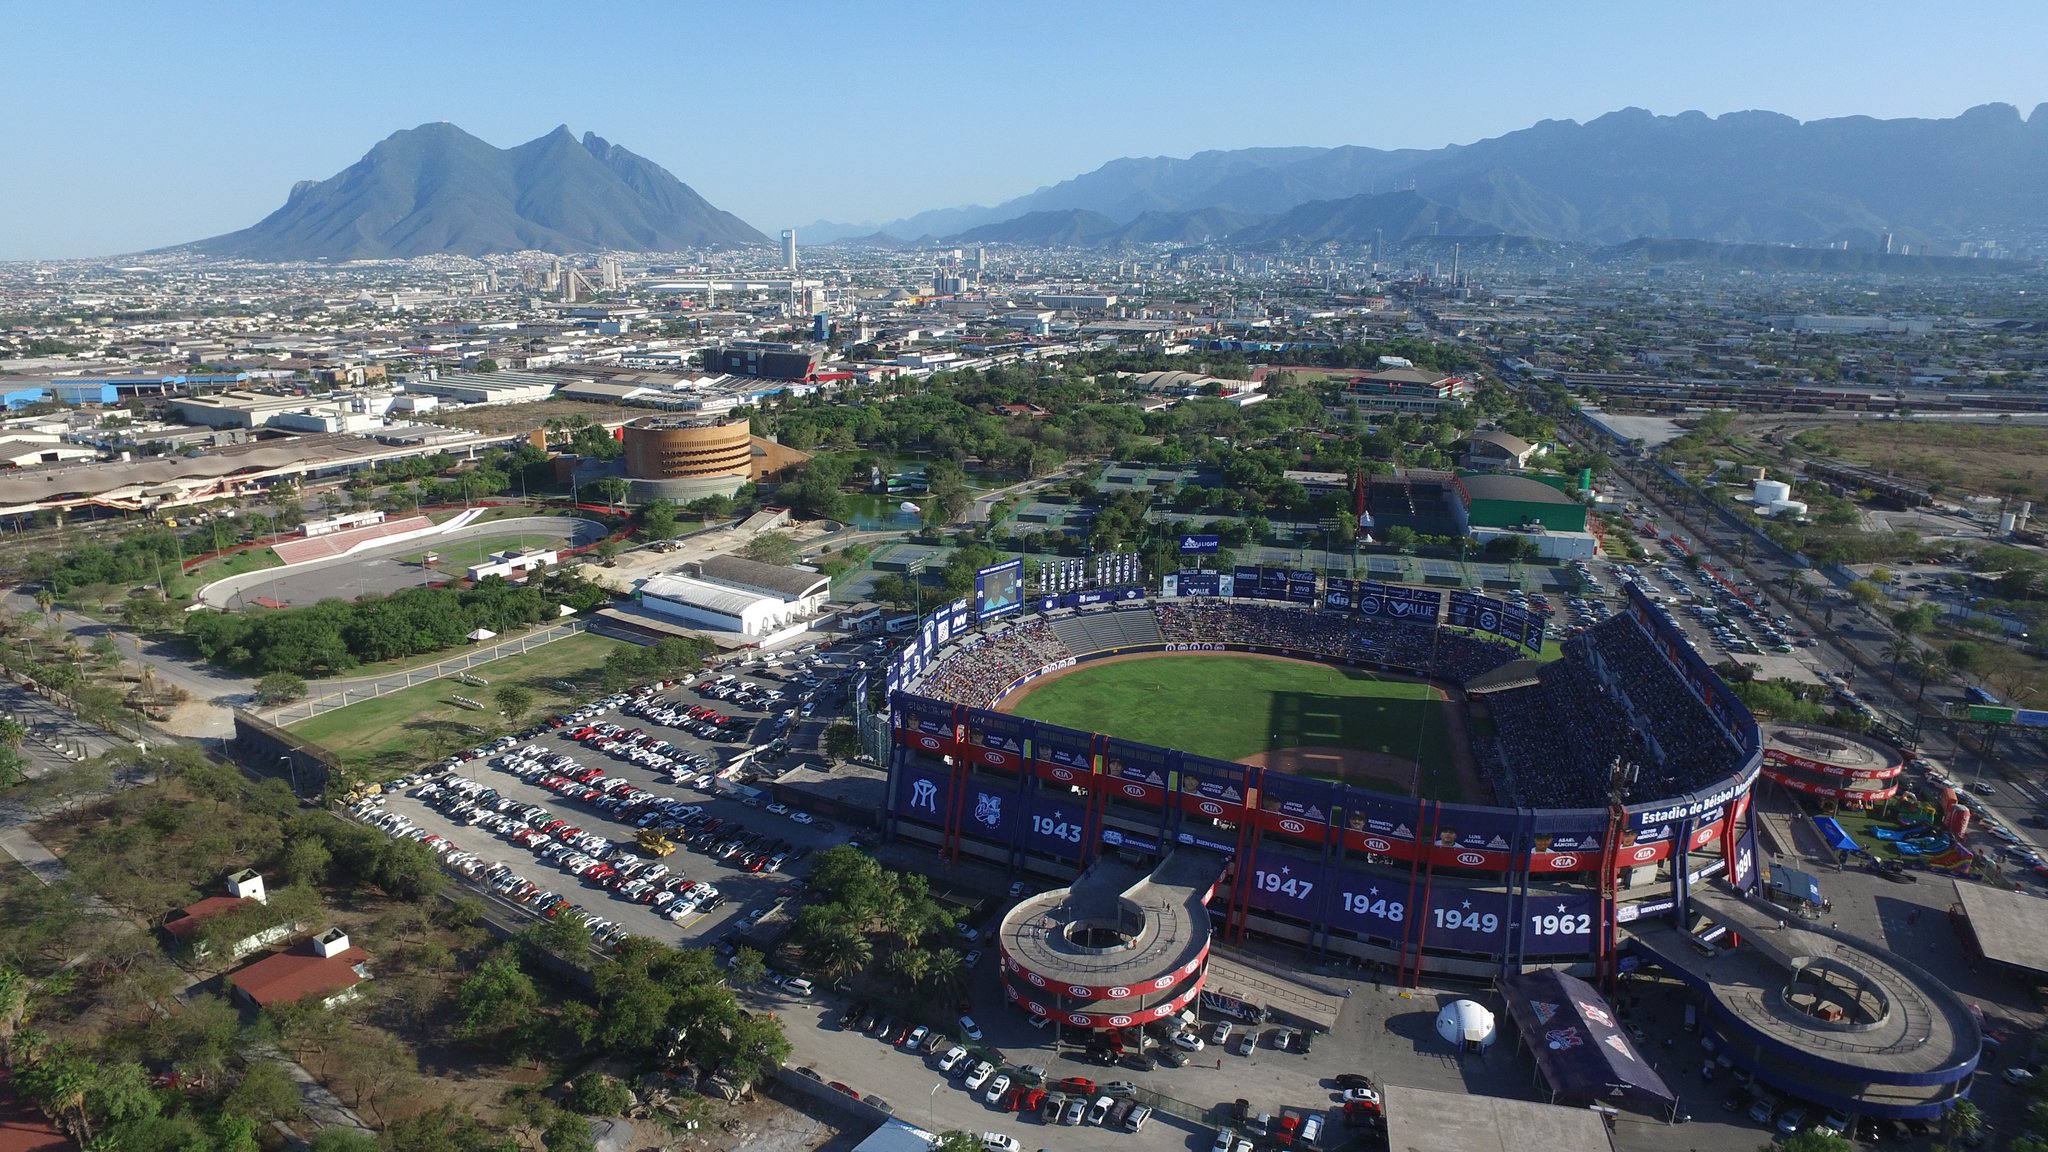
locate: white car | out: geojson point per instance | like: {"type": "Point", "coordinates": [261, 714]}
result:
{"type": "Point", "coordinates": [980, 1075]}
{"type": "Point", "coordinates": [779, 809]}
{"type": "Point", "coordinates": [801, 817]}
{"type": "Point", "coordinates": [1188, 1041]}
{"type": "Point", "coordinates": [997, 1142]}
{"type": "Point", "coordinates": [996, 1088]}
{"type": "Point", "coordinates": [954, 1057]}
{"type": "Point", "coordinates": [970, 1028]}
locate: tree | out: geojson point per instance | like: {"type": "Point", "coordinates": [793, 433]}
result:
{"type": "Point", "coordinates": [1899, 649]}
{"type": "Point", "coordinates": [1928, 665]}
{"type": "Point", "coordinates": [608, 550]}
{"type": "Point", "coordinates": [1865, 592]}
{"type": "Point", "coordinates": [266, 1092]}
{"type": "Point", "coordinates": [748, 965]}
{"type": "Point", "coordinates": [776, 548]}
{"type": "Point", "coordinates": [596, 1094]}
{"type": "Point", "coordinates": [1401, 537]}
{"type": "Point", "coordinates": [514, 700]}
{"type": "Point", "coordinates": [842, 740]}
{"type": "Point", "coordinates": [279, 687]}
{"type": "Point", "coordinates": [498, 1006]}
{"type": "Point", "coordinates": [568, 1133]}
{"type": "Point", "coordinates": [658, 520]}
{"type": "Point", "coordinates": [343, 1140]}
{"type": "Point", "coordinates": [487, 365]}
{"type": "Point", "coordinates": [1916, 619]}
{"type": "Point", "coordinates": [306, 861]}
{"type": "Point", "coordinates": [1964, 657]}
{"type": "Point", "coordinates": [1962, 1122]}
{"type": "Point", "coordinates": [610, 489]}
{"type": "Point", "coordinates": [956, 1141]}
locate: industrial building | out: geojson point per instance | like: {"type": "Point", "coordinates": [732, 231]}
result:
{"type": "Point", "coordinates": [486, 387]}
{"type": "Point", "coordinates": [731, 594]}
{"type": "Point", "coordinates": [1424, 502]}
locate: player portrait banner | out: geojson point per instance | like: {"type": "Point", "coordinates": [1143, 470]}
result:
{"type": "Point", "coordinates": [999, 590]}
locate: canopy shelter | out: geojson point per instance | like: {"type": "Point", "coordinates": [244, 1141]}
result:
{"type": "Point", "coordinates": [1783, 883]}
{"type": "Point", "coordinates": [1581, 1051]}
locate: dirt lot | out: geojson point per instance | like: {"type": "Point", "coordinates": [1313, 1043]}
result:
{"type": "Point", "coordinates": [1989, 459]}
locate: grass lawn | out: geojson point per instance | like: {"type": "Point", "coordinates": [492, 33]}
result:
{"type": "Point", "coordinates": [1230, 707]}
{"type": "Point", "coordinates": [183, 585]}
{"type": "Point", "coordinates": [403, 730]}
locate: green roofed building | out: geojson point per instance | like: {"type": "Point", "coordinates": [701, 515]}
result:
{"type": "Point", "coordinates": [1501, 501]}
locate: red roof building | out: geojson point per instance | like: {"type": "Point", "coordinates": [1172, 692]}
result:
{"type": "Point", "coordinates": [325, 966]}
{"type": "Point", "coordinates": [23, 1128]}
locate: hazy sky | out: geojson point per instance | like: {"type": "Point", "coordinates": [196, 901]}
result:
{"type": "Point", "coordinates": [131, 126]}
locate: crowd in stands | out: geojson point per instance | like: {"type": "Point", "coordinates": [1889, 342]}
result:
{"type": "Point", "coordinates": [1438, 653]}
{"type": "Point", "coordinates": [1612, 704]}
{"type": "Point", "coordinates": [974, 674]}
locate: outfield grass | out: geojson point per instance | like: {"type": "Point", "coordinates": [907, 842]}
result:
{"type": "Point", "coordinates": [403, 730]}
{"type": "Point", "coordinates": [1230, 707]}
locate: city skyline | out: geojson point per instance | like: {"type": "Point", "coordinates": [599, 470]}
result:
{"type": "Point", "coordinates": [787, 114]}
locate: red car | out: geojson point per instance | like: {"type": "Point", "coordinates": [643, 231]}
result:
{"type": "Point", "coordinates": [1076, 1086]}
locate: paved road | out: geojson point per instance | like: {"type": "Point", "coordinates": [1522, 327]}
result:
{"type": "Point", "coordinates": [379, 570]}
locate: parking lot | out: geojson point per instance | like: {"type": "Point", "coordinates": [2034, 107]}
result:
{"type": "Point", "coordinates": [627, 823]}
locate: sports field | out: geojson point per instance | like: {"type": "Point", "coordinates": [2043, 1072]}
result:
{"type": "Point", "coordinates": [1348, 724]}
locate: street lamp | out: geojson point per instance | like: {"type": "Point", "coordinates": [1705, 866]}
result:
{"type": "Point", "coordinates": [931, 1102]}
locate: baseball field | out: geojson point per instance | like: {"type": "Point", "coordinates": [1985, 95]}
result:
{"type": "Point", "coordinates": [1311, 719]}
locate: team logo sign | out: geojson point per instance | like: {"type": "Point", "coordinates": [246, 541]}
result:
{"type": "Point", "coordinates": [924, 794]}
{"type": "Point", "coordinates": [988, 809]}
{"type": "Point", "coordinates": [1560, 1039]}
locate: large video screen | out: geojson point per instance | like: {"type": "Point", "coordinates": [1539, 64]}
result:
{"type": "Point", "coordinates": [999, 590]}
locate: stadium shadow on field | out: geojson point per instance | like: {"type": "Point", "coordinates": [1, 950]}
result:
{"type": "Point", "coordinates": [1382, 725]}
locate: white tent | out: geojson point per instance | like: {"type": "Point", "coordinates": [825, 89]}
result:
{"type": "Point", "coordinates": [482, 634]}
{"type": "Point", "coordinates": [1466, 1024]}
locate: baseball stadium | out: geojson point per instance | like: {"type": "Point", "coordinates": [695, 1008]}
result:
{"type": "Point", "coordinates": [1420, 780]}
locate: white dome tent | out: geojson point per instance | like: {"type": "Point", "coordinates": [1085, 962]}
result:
{"type": "Point", "coordinates": [1466, 1024]}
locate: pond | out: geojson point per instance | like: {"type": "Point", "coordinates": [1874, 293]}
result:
{"type": "Point", "coordinates": [878, 513]}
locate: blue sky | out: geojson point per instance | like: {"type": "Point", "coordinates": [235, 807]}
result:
{"type": "Point", "coordinates": [139, 125]}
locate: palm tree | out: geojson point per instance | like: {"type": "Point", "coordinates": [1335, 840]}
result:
{"type": "Point", "coordinates": [842, 954]}
{"type": "Point", "coordinates": [947, 973]}
{"type": "Point", "coordinates": [1899, 649]}
{"type": "Point", "coordinates": [1928, 665]}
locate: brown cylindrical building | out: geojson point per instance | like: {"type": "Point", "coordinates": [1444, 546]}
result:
{"type": "Point", "coordinates": [686, 457]}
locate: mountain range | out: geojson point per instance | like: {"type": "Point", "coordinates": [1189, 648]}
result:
{"type": "Point", "coordinates": [1743, 177]}
{"type": "Point", "coordinates": [436, 189]}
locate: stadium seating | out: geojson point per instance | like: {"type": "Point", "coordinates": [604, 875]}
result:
{"type": "Point", "coordinates": [975, 673]}
{"type": "Point", "coordinates": [338, 543]}
{"type": "Point", "coordinates": [1085, 632]}
{"type": "Point", "coordinates": [1612, 709]}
